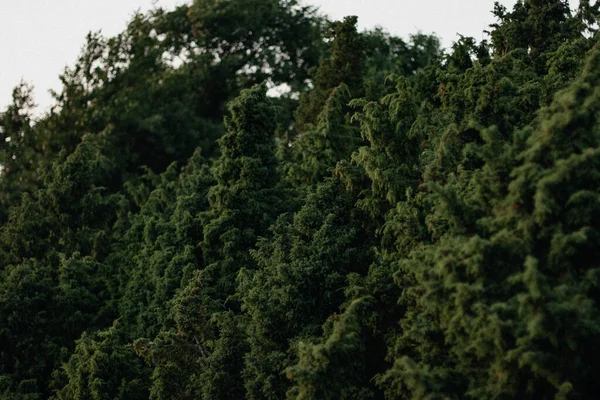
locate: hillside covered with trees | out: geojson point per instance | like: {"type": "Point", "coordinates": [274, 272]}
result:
{"type": "Point", "coordinates": [397, 222]}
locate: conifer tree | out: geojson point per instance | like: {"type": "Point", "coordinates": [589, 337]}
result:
{"type": "Point", "coordinates": [20, 151]}
{"type": "Point", "coordinates": [322, 120]}
{"type": "Point", "coordinates": [427, 228]}
{"type": "Point", "coordinates": [246, 196]}
{"type": "Point", "coordinates": [509, 312]}
{"type": "Point", "coordinates": [331, 370]}
{"type": "Point", "coordinates": [156, 253]}
{"type": "Point", "coordinates": [316, 152]}
{"type": "Point", "coordinates": [344, 64]}
{"type": "Point", "coordinates": [52, 250]}
{"type": "Point", "coordinates": [101, 367]}
{"type": "Point", "coordinates": [242, 204]}
{"type": "Point", "coordinates": [298, 285]}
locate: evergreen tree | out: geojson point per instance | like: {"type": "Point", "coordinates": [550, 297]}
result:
{"type": "Point", "coordinates": [242, 205]}
{"type": "Point", "coordinates": [156, 253]}
{"type": "Point", "coordinates": [426, 227]}
{"type": "Point", "coordinates": [509, 311]}
{"type": "Point", "coordinates": [299, 283]}
{"type": "Point", "coordinates": [345, 64]}
{"type": "Point", "coordinates": [52, 250]}
{"type": "Point", "coordinates": [101, 368]}
{"type": "Point", "coordinates": [19, 149]}
{"type": "Point", "coordinates": [322, 121]}
{"type": "Point", "coordinates": [331, 370]}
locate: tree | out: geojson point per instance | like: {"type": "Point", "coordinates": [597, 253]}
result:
{"type": "Point", "coordinates": [331, 370]}
{"type": "Point", "coordinates": [242, 204]}
{"type": "Point", "coordinates": [101, 368]}
{"type": "Point", "coordinates": [55, 284]}
{"type": "Point", "coordinates": [344, 64]}
{"type": "Point", "coordinates": [299, 283]}
{"type": "Point", "coordinates": [19, 149]}
{"type": "Point", "coordinates": [509, 310]}
{"type": "Point", "coordinates": [417, 225]}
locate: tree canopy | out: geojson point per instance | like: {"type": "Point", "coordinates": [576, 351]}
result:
{"type": "Point", "coordinates": [404, 222]}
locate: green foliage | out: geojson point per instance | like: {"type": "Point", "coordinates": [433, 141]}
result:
{"type": "Point", "coordinates": [101, 368]}
{"type": "Point", "coordinates": [55, 283]}
{"type": "Point", "coordinates": [302, 271]}
{"type": "Point", "coordinates": [246, 197]}
{"type": "Point", "coordinates": [344, 64]}
{"type": "Point", "coordinates": [404, 223]}
{"type": "Point", "coordinates": [276, 40]}
{"type": "Point", "coordinates": [19, 150]}
{"type": "Point", "coordinates": [156, 252]}
{"type": "Point", "coordinates": [503, 307]}
{"type": "Point", "coordinates": [331, 370]}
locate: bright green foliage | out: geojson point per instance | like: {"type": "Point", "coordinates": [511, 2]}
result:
{"type": "Point", "coordinates": [402, 224]}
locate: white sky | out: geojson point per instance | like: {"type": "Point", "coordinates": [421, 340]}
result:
{"type": "Point", "coordinates": [38, 38]}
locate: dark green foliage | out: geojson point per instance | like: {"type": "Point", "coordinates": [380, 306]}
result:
{"type": "Point", "coordinates": [242, 204]}
{"type": "Point", "coordinates": [19, 150]}
{"type": "Point", "coordinates": [506, 313]}
{"type": "Point", "coordinates": [244, 201]}
{"type": "Point", "coordinates": [322, 120]}
{"type": "Point", "coordinates": [157, 251]}
{"type": "Point", "coordinates": [403, 224]}
{"type": "Point", "coordinates": [313, 154]}
{"type": "Point", "coordinates": [302, 271]}
{"type": "Point", "coordinates": [55, 283]}
{"type": "Point", "coordinates": [332, 370]}
{"type": "Point", "coordinates": [344, 64]}
{"type": "Point", "coordinates": [277, 40]}
{"type": "Point", "coordinates": [102, 368]}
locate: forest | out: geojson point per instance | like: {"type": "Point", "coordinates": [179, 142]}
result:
{"type": "Point", "coordinates": [241, 199]}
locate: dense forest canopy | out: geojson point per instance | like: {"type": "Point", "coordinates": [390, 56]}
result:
{"type": "Point", "coordinates": [403, 223]}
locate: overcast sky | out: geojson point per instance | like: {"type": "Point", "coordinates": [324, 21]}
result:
{"type": "Point", "coordinates": [38, 38]}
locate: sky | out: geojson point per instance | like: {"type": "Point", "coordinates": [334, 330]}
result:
{"type": "Point", "coordinates": [39, 38]}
